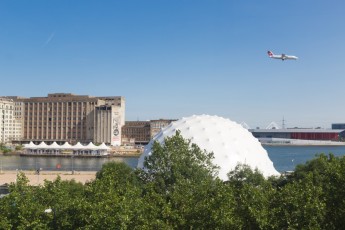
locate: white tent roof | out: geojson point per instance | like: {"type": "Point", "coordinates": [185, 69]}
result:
{"type": "Point", "coordinates": [78, 146]}
{"type": "Point", "coordinates": [91, 146]}
{"type": "Point", "coordinates": [103, 146]}
{"type": "Point", "coordinates": [66, 145]}
{"type": "Point", "coordinates": [54, 145]}
{"type": "Point", "coordinates": [31, 145]}
{"type": "Point", "coordinates": [42, 145]}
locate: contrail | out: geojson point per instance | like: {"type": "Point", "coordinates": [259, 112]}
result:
{"type": "Point", "coordinates": [49, 39]}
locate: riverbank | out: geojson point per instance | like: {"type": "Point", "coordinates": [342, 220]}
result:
{"type": "Point", "coordinates": [10, 176]}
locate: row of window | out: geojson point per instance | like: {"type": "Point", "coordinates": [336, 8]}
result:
{"type": "Point", "coordinates": [7, 125]}
{"type": "Point", "coordinates": [56, 119]}
{"type": "Point", "coordinates": [6, 106]}
{"type": "Point", "coordinates": [54, 137]}
{"type": "Point", "coordinates": [6, 112]}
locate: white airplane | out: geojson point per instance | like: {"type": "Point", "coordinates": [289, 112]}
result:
{"type": "Point", "coordinates": [282, 56]}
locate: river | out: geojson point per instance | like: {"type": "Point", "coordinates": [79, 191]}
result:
{"type": "Point", "coordinates": [284, 158]}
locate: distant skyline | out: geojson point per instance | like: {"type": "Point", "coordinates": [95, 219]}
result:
{"type": "Point", "coordinates": [173, 59]}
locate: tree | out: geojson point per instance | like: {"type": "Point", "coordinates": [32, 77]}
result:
{"type": "Point", "coordinates": [178, 158]}
{"type": "Point", "coordinates": [298, 205]}
{"type": "Point", "coordinates": [115, 198]}
{"type": "Point", "coordinates": [24, 207]}
{"type": "Point", "coordinates": [19, 209]}
{"type": "Point", "coordinates": [328, 174]}
{"type": "Point", "coordinates": [252, 194]}
{"type": "Point", "coordinates": [181, 188]}
{"type": "Point", "coordinates": [19, 147]}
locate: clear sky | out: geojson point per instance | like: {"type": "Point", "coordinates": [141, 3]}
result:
{"type": "Point", "coordinates": [176, 58]}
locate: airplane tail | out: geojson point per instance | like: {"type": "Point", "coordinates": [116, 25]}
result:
{"type": "Point", "coordinates": [270, 53]}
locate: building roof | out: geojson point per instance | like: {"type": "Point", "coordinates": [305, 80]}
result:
{"type": "Point", "coordinates": [296, 130]}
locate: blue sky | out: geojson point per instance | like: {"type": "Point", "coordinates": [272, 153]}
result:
{"type": "Point", "coordinates": [171, 59]}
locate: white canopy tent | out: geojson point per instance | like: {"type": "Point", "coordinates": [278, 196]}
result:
{"type": "Point", "coordinates": [66, 149]}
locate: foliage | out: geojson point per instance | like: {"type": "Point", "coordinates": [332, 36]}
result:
{"type": "Point", "coordinates": [4, 148]}
{"type": "Point", "coordinates": [328, 174]}
{"type": "Point", "coordinates": [179, 189]}
{"type": "Point", "coordinates": [19, 209]}
{"type": "Point", "coordinates": [252, 192]}
{"type": "Point", "coordinates": [19, 147]}
{"type": "Point", "coordinates": [298, 205]}
{"type": "Point", "coordinates": [115, 198]}
{"type": "Point", "coordinates": [178, 159]}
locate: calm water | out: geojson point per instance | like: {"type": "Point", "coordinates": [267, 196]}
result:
{"type": "Point", "coordinates": [284, 158]}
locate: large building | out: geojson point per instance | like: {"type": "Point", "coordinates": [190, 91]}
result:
{"type": "Point", "coordinates": [18, 115]}
{"type": "Point", "coordinates": [158, 125]}
{"type": "Point", "coordinates": [108, 123]}
{"type": "Point", "coordinates": [136, 132]}
{"type": "Point", "coordinates": [7, 120]}
{"type": "Point", "coordinates": [65, 117]}
{"type": "Point", "coordinates": [141, 132]}
{"type": "Point", "coordinates": [301, 134]}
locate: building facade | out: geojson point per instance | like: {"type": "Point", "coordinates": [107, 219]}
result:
{"type": "Point", "coordinates": [158, 125]}
{"type": "Point", "coordinates": [137, 132]}
{"type": "Point", "coordinates": [141, 132]}
{"type": "Point", "coordinates": [109, 120]}
{"type": "Point", "coordinates": [65, 117]}
{"type": "Point", "coordinates": [8, 130]}
{"type": "Point", "coordinates": [301, 134]}
{"type": "Point", "coordinates": [19, 117]}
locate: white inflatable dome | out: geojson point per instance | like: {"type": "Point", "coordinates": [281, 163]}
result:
{"type": "Point", "coordinates": [229, 141]}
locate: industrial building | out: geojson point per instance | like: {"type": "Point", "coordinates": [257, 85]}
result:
{"type": "Point", "coordinates": [136, 132]}
{"type": "Point", "coordinates": [141, 132]}
{"type": "Point", "coordinates": [157, 125]}
{"type": "Point", "coordinates": [265, 135]}
{"type": "Point", "coordinates": [65, 117]}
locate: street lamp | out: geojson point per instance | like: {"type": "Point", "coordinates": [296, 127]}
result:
{"type": "Point", "coordinates": [50, 210]}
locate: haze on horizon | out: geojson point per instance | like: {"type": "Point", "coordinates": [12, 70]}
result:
{"type": "Point", "coordinates": [173, 59]}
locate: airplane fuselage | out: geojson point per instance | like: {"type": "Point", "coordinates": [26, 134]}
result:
{"type": "Point", "coordinates": [282, 56]}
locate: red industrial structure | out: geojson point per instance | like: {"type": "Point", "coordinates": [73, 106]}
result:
{"type": "Point", "coordinates": [302, 134]}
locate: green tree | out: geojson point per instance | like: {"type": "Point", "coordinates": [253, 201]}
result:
{"type": "Point", "coordinates": [178, 158]}
{"type": "Point", "coordinates": [327, 173]}
{"type": "Point", "coordinates": [115, 198]}
{"type": "Point", "coordinates": [298, 205]}
{"type": "Point", "coordinates": [19, 147]}
{"type": "Point", "coordinates": [67, 201]}
{"type": "Point", "coordinates": [180, 181]}
{"type": "Point", "coordinates": [20, 208]}
{"type": "Point", "coordinates": [24, 207]}
{"type": "Point", "coordinates": [252, 193]}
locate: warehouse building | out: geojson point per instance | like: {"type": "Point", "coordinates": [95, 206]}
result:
{"type": "Point", "coordinates": [301, 134]}
{"type": "Point", "coordinates": [65, 117]}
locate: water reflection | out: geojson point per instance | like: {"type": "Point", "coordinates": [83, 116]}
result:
{"type": "Point", "coordinates": [60, 163]}
{"type": "Point", "coordinates": [285, 158]}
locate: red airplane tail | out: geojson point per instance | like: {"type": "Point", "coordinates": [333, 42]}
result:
{"type": "Point", "coordinates": [270, 53]}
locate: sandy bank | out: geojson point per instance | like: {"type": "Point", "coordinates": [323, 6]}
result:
{"type": "Point", "coordinates": [10, 176]}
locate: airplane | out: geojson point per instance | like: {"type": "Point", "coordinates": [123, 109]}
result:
{"type": "Point", "coordinates": [282, 56]}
